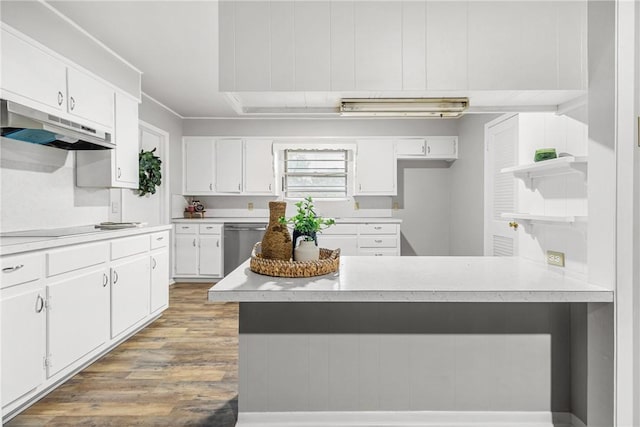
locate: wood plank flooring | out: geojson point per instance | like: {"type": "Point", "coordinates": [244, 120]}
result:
{"type": "Point", "coordinates": [182, 370]}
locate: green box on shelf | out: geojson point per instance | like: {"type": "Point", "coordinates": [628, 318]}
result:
{"type": "Point", "coordinates": [545, 154]}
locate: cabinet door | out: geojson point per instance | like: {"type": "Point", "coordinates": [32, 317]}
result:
{"type": "Point", "coordinates": [186, 261]}
{"type": "Point", "coordinates": [442, 148]}
{"type": "Point", "coordinates": [375, 168]}
{"type": "Point", "coordinates": [23, 342]}
{"type": "Point", "coordinates": [32, 76]}
{"type": "Point", "coordinates": [199, 165]}
{"type": "Point", "coordinates": [228, 166]}
{"type": "Point", "coordinates": [411, 148]}
{"type": "Point", "coordinates": [159, 280]}
{"type": "Point", "coordinates": [89, 98]}
{"type": "Point", "coordinates": [259, 176]}
{"type": "Point", "coordinates": [348, 244]}
{"type": "Point", "coordinates": [78, 318]}
{"type": "Point", "coordinates": [210, 255]}
{"type": "Point", "coordinates": [127, 143]}
{"type": "Point", "coordinates": [129, 293]}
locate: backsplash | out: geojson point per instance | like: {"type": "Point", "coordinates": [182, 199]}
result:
{"type": "Point", "coordinates": [38, 190]}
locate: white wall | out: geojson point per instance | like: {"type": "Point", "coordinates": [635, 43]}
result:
{"type": "Point", "coordinates": [37, 189]}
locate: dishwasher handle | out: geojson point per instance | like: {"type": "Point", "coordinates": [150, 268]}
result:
{"type": "Point", "coordinates": [245, 228]}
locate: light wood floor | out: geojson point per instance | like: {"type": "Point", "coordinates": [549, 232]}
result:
{"type": "Point", "coordinates": [181, 370]}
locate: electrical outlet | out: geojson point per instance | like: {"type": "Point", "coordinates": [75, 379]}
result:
{"type": "Point", "coordinates": [115, 207]}
{"type": "Point", "coordinates": [250, 206]}
{"type": "Point", "coordinates": [555, 258]}
{"type": "Point", "coordinates": [396, 206]}
{"type": "Point", "coordinates": [356, 206]}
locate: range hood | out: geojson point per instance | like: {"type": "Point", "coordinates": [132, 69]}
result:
{"type": "Point", "coordinates": [29, 125]}
{"type": "Point", "coordinates": [404, 107]}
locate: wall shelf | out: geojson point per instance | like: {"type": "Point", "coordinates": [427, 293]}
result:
{"type": "Point", "coordinates": [545, 218]}
{"type": "Point", "coordinates": [546, 168]}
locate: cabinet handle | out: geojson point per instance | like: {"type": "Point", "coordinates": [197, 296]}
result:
{"type": "Point", "coordinates": [378, 254]}
{"type": "Point", "coordinates": [210, 186]}
{"type": "Point", "coordinates": [60, 98]}
{"type": "Point", "coordinates": [185, 227]}
{"type": "Point", "coordinates": [72, 103]}
{"type": "Point", "coordinates": [119, 172]}
{"type": "Point", "coordinates": [160, 238]}
{"type": "Point", "coordinates": [377, 228]}
{"type": "Point", "coordinates": [239, 187]}
{"type": "Point", "coordinates": [12, 269]}
{"type": "Point", "coordinates": [194, 242]}
{"type": "Point", "coordinates": [378, 241]}
{"type": "Point", "coordinates": [269, 187]}
{"type": "Point", "coordinates": [428, 149]}
{"type": "Point", "coordinates": [209, 227]}
{"type": "Point", "coordinates": [39, 304]}
{"type": "Point", "coordinates": [154, 263]}
{"type": "Point", "coordinates": [218, 243]}
{"type": "Point", "coordinates": [106, 280]}
{"type": "Point", "coordinates": [423, 149]}
{"type": "Point", "coordinates": [115, 277]}
{"type": "Point", "coordinates": [360, 187]}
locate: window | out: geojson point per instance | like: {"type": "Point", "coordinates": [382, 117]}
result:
{"type": "Point", "coordinates": [315, 173]}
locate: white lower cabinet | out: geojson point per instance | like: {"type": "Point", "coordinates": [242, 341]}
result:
{"type": "Point", "coordinates": [198, 250]}
{"type": "Point", "coordinates": [23, 340]}
{"type": "Point", "coordinates": [378, 239]}
{"type": "Point", "coordinates": [130, 293]}
{"type": "Point", "coordinates": [77, 317]}
{"type": "Point", "coordinates": [63, 307]}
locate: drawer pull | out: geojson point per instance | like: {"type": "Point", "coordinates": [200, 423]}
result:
{"type": "Point", "coordinates": [209, 227]}
{"type": "Point", "coordinates": [106, 280]}
{"type": "Point", "coordinates": [378, 254]}
{"type": "Point", "coordinates": [378, 241]}
{"type": "Point", "coordinates": [39, 304]}
{"type": "Point", "coordinates": [377, 228]}
{"type": "Point", "coordinates": [185, 227]}
{"type": "Point", "coordinates": [12, 269]}
{"type": "Point", "coordinates": [160, 238]}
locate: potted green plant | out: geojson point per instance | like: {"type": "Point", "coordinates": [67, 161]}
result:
{"type": "Point", "coordinates": [150, 172]}
{"type": "Point", "coordinates": [306, 224]}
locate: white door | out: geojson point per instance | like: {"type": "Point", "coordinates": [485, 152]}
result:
{"type": "Point", "coordinates": [23, 343]}
{"type": "Point", "coordinates": [186, 257]}
{"type": "Point", "coordinates": [29, 73]}
{"type": "Point", "coordinates": [159, 280]}
{"type": "Point", "coordinates": [126, 139]}
{"type": "Point", "coordinates": [199, 165]}
{"type": "Point", "coordinates": [375, 167]}
{"type": "Point", "coordinates": [150, 208]}
{"type": "Point", "coordinates": [501, 151]}
{"type": "Point", "coordinates": [444, 148]}
{"type": "Point", "coordinates": [78, 318]}
{"type": "Point", "coordinates": [130, 286]}
{"type": "Point", "coordinates": [89, 98]}
{"type": "Point", "coordinates": [210, 255]}
{"type": "Point", "coordinates": [228, 166]}
{"type": "Point", "coordinates": [259, 175]}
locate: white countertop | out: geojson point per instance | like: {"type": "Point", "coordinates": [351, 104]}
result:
{"type": "Point", "coordinates": [236, 220]}
{"type": "Point", "coordinates": [414, 279]}
{"type": "Point", "coordinates": [14, 245]}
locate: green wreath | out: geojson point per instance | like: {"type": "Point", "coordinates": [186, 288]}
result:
{"type": "Point", "coordinates": [150, 173]}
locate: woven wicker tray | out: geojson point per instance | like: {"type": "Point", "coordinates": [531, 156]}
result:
{"type": "Point", "coordinates": [329, 262]}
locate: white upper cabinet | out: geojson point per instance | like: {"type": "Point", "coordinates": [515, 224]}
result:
{"type": "Point", "coordinates": [312, 38]}
{"type": "Point", "coordinates": [199, 165]}
{"type": "Point", "coordinates": [411, 148]}
{"type": "Point", "coordinates": [228, 170]}
{"type": "Point", "coordinates": [375, 168]}
{"type": "Point", "coordinates": [442, 147]}
{"type": "Point", "coordinates": [378, 45]}
{"type": "Point", "coordinates": [31, 76]}
{"type": "Point", "coordinates": [259, 174]}
{"type": "Point", "coordinates": [89, 98]}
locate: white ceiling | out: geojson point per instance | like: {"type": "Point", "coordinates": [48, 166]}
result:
{"type": "Point", "coordinates": [175, 44]}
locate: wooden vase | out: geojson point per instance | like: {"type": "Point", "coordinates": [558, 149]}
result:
{"type": "Point", "coordinates": [276, 243]}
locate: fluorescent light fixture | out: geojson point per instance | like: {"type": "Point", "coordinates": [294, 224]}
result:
{"type": "Point", "coordinates": [404, 107]}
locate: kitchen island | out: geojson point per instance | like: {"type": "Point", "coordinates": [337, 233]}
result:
{"type": "Point", "coordinates": [422, 341]}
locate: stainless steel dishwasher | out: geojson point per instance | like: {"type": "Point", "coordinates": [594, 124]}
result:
{"type": "Point", "coordinates": [238, 243]}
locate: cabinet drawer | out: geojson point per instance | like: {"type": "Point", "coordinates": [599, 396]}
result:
{"type": "Point", "coordinates": [378, 228]}
{"type": "Point", "coordinates": [130, 246]}
{"type": "Point", "coordinates": [19, 269]}
{"type": "Point", "coordinates": [341, 229]}
{"type": "Point", "coordinates": [186, 228]}
{"type": "Point", "coordinates": [159, 240]}
{"type": "Point", "coordinates": [76, 257]}
{"type": "Point", "coordinates": [385, 241]}
{"type": "Point", "coordinates": [210, 228]}
{"type": "Point", "coordinates": [378, 252]}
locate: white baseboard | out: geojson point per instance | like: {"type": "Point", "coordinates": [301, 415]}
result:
{"type": "Point", "coordinates": [407, 419]}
